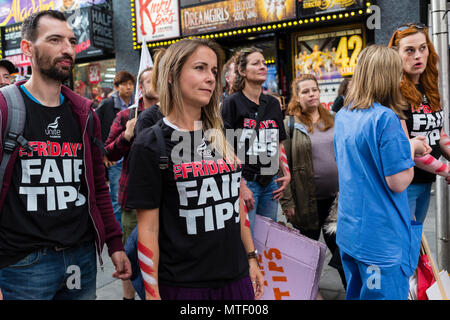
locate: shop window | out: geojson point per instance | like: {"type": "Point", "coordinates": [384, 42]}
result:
{"type": "Point", "coordinates": [329, 55]}
{"type": "Point", "coordinates": [95, 80]}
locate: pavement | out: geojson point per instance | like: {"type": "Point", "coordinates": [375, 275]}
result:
{"type": "Point", "coordinates": [330, 286]}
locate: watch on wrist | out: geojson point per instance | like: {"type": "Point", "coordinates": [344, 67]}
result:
{"type": "Point", "coordinates": [253, 255]}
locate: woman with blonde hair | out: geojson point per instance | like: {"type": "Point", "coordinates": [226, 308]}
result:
{"type": "Point", "coordinates": [184, 182]}
{"type": "Point", "coordinates": [424, 116]}
{"type": "Point", "coordinates": [379, 243]}
{"type": "Point", "coordinates": [307, 200]}
{"type": "Point", "coordinates": [152, 115]}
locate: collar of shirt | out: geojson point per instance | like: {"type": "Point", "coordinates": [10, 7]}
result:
{"type": "Point", "coordinates": [123, 104]}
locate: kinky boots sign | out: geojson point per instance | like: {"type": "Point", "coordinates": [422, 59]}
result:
{"type": "Point", "coordinates": [101, 27]}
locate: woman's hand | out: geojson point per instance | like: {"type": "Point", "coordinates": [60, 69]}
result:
{"type": "Point", "coordinates": [284, 181]}
{"type": "Point", "coordinates": [247, 197]}
{"type": "Point", "coordinates": [257, 278]}
{"type": "Point", "coordinates": [107, 162]}
{"type": "Point", "coordinates": [421, 148]}
{"type": "Point", "coordinates": [289, 213]}
{"type": "Point", "coordinates": [122, 265]}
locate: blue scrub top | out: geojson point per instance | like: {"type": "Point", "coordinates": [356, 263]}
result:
{"type": "Point", "coordinates": [374, 224]}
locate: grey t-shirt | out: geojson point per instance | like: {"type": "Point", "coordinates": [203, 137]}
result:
{"type": "Point", "coordinates": [324, 162]}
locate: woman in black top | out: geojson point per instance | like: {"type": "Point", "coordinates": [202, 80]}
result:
{"type": "Point", "coordinates": [425, 116]}
{"type": "Point", "coordinates": [256, 121]}
{"type": "Point", "coordinates": [342, 92]}
{"type": "Point", "coordinates": [192, 239]}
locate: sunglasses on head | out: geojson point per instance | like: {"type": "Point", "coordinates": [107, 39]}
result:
{"type": "Point", "coordinates": [418, 26]}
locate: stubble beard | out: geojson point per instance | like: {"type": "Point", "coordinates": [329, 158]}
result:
{"type": "Point", "coordinates": [49, 69]}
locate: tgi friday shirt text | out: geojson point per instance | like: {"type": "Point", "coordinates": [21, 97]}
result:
{"type": "Point", "coordinates": [428, 125]}
{"type": "Point", "coordinates": [209, 194]}
{"type": "Point", "coordinates": [266, 142]}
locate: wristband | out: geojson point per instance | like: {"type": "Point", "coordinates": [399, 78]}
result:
{"type": "Point", "coordinates": [253, 255]}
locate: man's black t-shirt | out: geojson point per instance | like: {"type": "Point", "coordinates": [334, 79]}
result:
{"type": "Point", "coordinates": [238, 112]}
{"type": "Point", "coordinates": [198, 199]}
{"type": "Point", "coordinates": [46, 203]}
{"type": "Point", "coordinates": [425, 122]}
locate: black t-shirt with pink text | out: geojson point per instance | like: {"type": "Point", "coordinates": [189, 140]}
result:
{"type": "Point", "coordinates": [46, 203]}
{"type": "Point", "coordinates": [427, 123]}
{"type": "Point", "coordinates": [198, 200]}
{"type": "Point", "coordinates": [256, 147]}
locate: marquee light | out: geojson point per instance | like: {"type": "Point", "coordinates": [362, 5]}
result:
{"type": "Point", "coordinates": [260, 29]}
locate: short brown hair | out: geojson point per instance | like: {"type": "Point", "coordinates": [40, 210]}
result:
{"type": "Point", "coordinates": [123, 76]}
{"type": "Point", "coordinates": [30, 25]}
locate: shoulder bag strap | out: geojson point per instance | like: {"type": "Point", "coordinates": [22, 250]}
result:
{"type": "Point", "coordinates": [163, 159]}
{"type": "Point", "coordinates": [291, 126]}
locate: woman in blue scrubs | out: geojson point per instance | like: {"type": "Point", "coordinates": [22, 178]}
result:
{"type": "Point", "coordinates": [379, 243]}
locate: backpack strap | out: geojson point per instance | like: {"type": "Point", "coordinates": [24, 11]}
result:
{"type": "Point", "coordinates": [15, 123]}
{"type": "Point", "coordinates": [163, 159]}
{"type": "Point", "coordinates": [94, 139]}
{"type": "Point", "coordinates": [291, 126]}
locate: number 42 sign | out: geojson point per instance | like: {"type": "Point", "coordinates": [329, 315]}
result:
{"type": "Point", "coordinates": [347, 65]}
{"type": "Point", "coordinates": [329, 55]}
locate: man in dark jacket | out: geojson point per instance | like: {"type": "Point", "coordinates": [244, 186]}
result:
{"type": "Point", "coordinates": [118, 146]}
{"type": "Point", "coordinates": [56, 213]}
{"type": "Point", "coordinates": [107, 111]}
{"type": "Point", "coordinates": [121, 99]}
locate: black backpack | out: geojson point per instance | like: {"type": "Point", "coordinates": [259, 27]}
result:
{"type": "Point", "coordinates": [163, 158]}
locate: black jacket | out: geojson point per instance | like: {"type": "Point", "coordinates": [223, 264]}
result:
{"type": "Point", "coordinates": [106, 112]}
{"type": "Point", "coordinates": [338, 103]}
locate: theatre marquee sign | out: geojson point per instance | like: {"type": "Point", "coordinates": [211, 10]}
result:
{"type": "Point", "coordinates": [231, 14]}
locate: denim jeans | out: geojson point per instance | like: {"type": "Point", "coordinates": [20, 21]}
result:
{"type": "Point", "coordinates": [419, 199]}
{"type": "Point", "coordinates": [47, 274]}
{"type": "Point", "coordinates": [131, 251]}
{"type": "Point", "coordinates": [114, 177]}
{"type": "Point", "coordinates": [264, 203]}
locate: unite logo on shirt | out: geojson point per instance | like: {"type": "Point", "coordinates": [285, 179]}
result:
{"type": "Point", "coordinates": [52, 129]}
{"type": "Point", "coordinates": [203, 151]}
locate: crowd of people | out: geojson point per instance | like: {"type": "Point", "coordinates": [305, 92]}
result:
{"type": "Point", "coordinates": [174, 196]}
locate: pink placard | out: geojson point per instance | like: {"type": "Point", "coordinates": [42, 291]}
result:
{"type": "Point", "coordinates": [291, 263]}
